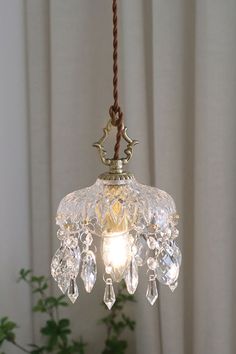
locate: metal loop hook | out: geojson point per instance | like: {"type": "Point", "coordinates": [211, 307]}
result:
{"type": "Point", "coordinates": [102, 151]}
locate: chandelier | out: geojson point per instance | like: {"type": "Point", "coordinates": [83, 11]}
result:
{"type": "Point", "coordinates": [135, 223]}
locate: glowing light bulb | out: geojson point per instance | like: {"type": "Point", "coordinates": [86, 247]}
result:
{"type": "Point", "coordinates": [116, 253]}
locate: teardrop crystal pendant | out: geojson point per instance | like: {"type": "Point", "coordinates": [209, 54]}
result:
{"type": "Point", "coordinates": [152, 292]}
{"type": "Point", "coordinates": [173, 286]}
{"type": "Point", "coordinates": [89, 271]}
{"type": "Point", "coordinates": [131, 277]}
{"type": "Point", "coordinates": [109, 294]}
{"type": "Point", "coordinates": [73, 291]}
{"type": "Point", "coordinates": [168, 264]}
{"type": "Point", "coordinates": [65, 266]}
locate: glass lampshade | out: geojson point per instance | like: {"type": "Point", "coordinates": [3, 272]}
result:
{"type": "Point", "coordinates": [137, 227]}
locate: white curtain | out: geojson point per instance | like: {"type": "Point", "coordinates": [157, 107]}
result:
{"type": "Point", "coordinates": [178, 93]}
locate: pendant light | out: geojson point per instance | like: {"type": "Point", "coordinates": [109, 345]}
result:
{"type": "Point", "coordinates": [135, 223]}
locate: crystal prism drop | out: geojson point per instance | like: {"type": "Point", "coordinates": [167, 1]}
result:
{"type": "Point", "coordinates": [89, 271]}
{"type": "Point", "coordinates": [109, 294]}
{"type": "Point", "coordinates": [65, 265]}
{"type": "Point", "coordinates": [131, 277]}
{"type": "Point", "coordinates": [167, 271]}
{"type": "Point", "coordinates": [55, 263]}
{"type": "Point", "coordinates": [64, 261]}
{"type": "Point", "coordinates": [152, 293]}
{"type": "Point", "coordinates": [73, 292]}
{"type": "Point", "coordinates": [173, 286]}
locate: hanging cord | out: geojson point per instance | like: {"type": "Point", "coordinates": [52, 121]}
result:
{"type": "Point", "coordinates": [115, 110]}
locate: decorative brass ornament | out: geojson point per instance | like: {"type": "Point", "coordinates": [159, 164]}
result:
{"type": "Point", "coordinates": [116, 166]}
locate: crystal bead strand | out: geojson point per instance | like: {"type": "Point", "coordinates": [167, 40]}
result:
{"type": "Point", "coordinates": [89, 266]}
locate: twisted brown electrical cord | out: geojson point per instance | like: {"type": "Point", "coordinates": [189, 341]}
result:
{"type": "Point", "coordinates": [115, 110]}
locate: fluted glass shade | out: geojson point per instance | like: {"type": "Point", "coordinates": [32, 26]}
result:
{"type": "Point", "coordinates": [137, 227]}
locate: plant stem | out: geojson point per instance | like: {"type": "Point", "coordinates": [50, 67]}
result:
{"type": "Point", "coordinates": [49, 312]}
{"type": "Point", "coordinates": [57, 314]}
{"type": "Point", "coordinates": [20, 347]}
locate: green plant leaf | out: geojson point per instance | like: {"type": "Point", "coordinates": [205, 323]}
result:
{"type": "Point", "coordinates": [57, 332]}
{"type": "Point", "coordinates": [129, 323]}
{"type": "Point", "coordinates": [23, 274]}
{"type": "Point", "coordinates": [64, 323]}
{"type": "Point", "coordinates": [40, 306]}
{"type": "Point", "coordinates": [115, 346]}
{"type": "Point", "coordinates": [2, 336]}
{"type": "Point", "coordinates": [6, 330]}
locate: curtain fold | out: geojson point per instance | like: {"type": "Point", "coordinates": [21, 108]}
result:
{"type": "Point", "coordinates": [178, 86]}
{"type": "Point", "coordinates": [214, 172]}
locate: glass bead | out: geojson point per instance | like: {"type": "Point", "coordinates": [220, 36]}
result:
{"type": "Point", "coordinates": [152, 243]}
{"type": "Point", "coordinates": [152, 263]}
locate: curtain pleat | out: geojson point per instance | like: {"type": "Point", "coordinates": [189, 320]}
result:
{"type": "Point", "coordinates": [215, 182]}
